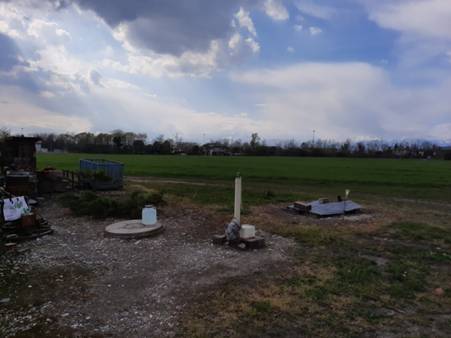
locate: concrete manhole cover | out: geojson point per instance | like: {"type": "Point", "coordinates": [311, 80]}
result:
{"type": "Point", "coordinates": [133, 229]}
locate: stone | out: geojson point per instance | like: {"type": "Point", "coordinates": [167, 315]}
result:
{"type": "Point", "coordinates": [219, 239]}
{"type": "Point", "coordinates": [439, 292]}
{"type": "Point", "coordinates": [133, 229]}
{"type": "Point", "coordinates": [254, 243]}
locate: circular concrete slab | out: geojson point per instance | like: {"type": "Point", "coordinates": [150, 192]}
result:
{"type": "Point", "coordinates": [133, 229]}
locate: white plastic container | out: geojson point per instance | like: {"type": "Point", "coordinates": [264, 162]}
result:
{"type": "Point", "coordinates": [149, 215]}
{"type": "Point", "coordinates": [247, 231]}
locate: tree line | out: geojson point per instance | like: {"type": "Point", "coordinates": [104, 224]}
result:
{"type": "Point", "coordinates": [122, 142]}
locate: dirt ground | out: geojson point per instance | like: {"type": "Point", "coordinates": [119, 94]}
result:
{"type": "Point", "coordinates": [342, 276]}
{"type": "Point", "coordinates": [77, 282]}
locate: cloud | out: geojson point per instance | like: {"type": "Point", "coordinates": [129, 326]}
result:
{"type": "Point", "coordinates": [95, 77]}
{"type": "Point", "coordinates": [169, 38]}
{"type": "Point", "coordinates": [157, 65]}
{"type": "Point", "coordinates": [424, 27]}
{"type": "Point", "coordinates": [426, 18]}
{"type": "Point", "coordinates": [25, 114]}
{"type": "Point", "coordinates": [276, 10]}
{"type": "Point", "coordinates": [298, 27]}
{"type": "Point", "coordinates": [10, 54]}
{"type": "Point", "coordinates": [315, 30]}
{"type": "Point", "coordinates": [343, 100]}
{"type": "Point", "coordinates": [240, 45]}
{"type": "Point", "coordinates": [132, 108]}
{"type": "Point", "coordinates": [244, 20]}
{"type": "Point", "coordinates": [170, 26]}
{"type": "Point", "coordinates": [313, 9]}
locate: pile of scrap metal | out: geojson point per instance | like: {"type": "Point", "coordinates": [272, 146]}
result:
{"type": "Point", "coordinates": [19, 221]}
{"type": "Point", "coordinates": [51, 180]}
{"type": "Point", "coordinates": [324, 208]}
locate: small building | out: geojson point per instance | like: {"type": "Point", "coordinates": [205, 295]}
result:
{"type": "Point", "coordinates": [18, 164]}
{"type": "Point", "coordinates": [40, 148]}
{"type": "Point", "coordinates": [19, 153]}
{"type": "Point", "coordinates": [216, 149]}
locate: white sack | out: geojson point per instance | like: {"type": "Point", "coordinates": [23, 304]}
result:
{"type": "Point", "coordinates": [14, 208]}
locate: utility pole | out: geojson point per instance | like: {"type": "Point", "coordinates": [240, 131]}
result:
{"type": "Point", "coordinates": [313, 142]}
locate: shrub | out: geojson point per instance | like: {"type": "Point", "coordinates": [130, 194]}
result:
{"type": "Point", "coordinates": [98, 206]}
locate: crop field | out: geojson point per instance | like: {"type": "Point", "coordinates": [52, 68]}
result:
{"type": "Point", "coordinates": [402, 178]}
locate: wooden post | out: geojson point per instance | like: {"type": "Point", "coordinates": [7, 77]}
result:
{"type": "Point", "coordinates": [237, 209]}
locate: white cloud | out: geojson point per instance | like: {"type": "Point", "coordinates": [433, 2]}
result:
{"type": "Point", "coordinates": [49, 32]}
{"type": "Point", "coordinates": [298, 28]}
{"type": "Point", "coordinates": [158, 65]}
{"type": "Point", "coordinates": [253, 45]}
{"type": "Point", "coordinates": [313, 9]}
{"type": "Point", "coordinates": [424, 27]}
{"type": "Point", "coordinates": [426, 18]}
{"type": "Point", "coordinates": [24, 21]}
{"type": "Point", "coordinates": [240, 47]}
{"type": "Point", "coordinates": [234, 41]}
{"type": "Point", "coordinates": [148, 113]}
{"type": "Point", "coordinates": [290, 49]}
{"type": "Point", "coordinates": [315, 30]}
{"type": "Point", "coordinates": [346, 100]}
{"type": "Point", "coordinates": [276, 10]}
{"type": "Point", "coordinates": [28, 116]}
{"type": "Point", "coordinates": [245, 21]}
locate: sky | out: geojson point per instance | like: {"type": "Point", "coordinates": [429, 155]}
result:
{"type": "Point", "coordinates": [210, 69]}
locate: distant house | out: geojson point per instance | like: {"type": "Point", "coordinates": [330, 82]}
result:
{"type": "Point", "coordinates": [216, 149]}
{"type": "Point", "coordinates": [40, 148]}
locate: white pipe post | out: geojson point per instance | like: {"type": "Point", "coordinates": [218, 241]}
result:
{"type": "Point", "coordinates": [237, 209]}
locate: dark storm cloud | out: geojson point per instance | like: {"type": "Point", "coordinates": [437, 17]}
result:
{"type": "Point", "coordinates": [165, 26]}
{"type": "Point", "coordinates": [169, 26]}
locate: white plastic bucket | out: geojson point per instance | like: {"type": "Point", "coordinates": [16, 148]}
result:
{"type": "Point", "coordinates": [149, 215]}
{"type": "Point", "coordinates": [247, 231]}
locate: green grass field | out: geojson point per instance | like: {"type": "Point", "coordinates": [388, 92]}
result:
{"type": "Point", "coordinates": [385, 273]}
{"type": "Point", "coordinates": [403, 178]}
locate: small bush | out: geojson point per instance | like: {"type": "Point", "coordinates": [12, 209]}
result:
{"type": "Point", "coordinates": [129, 206]}
{"type": "Point", "coordinates": [269, 194]}
{"type": "Point", "coordinates": [262, 307]}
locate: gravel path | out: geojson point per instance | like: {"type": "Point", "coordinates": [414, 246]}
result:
{"type": "Point", "coordinates": [79, 283]}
